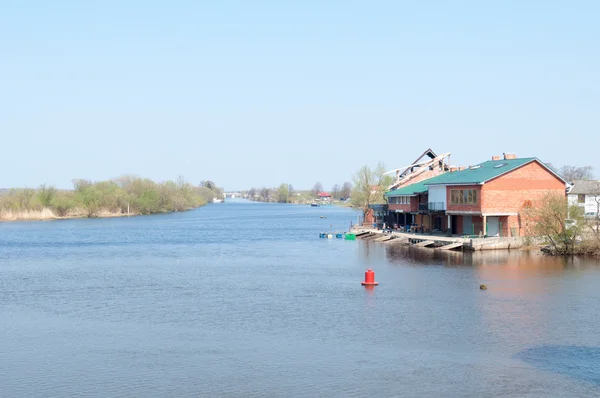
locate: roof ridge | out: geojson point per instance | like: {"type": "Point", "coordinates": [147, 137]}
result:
{"type": "Point", "coordinates": [484, 171]}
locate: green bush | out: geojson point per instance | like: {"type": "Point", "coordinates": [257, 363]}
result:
{"type": "Point", "coordinates": [128, 193]}
{"type": "Point", "coordinates": [62, 203]}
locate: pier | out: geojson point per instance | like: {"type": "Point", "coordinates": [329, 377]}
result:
{"type": "Point", "coordinates": [438, 241]}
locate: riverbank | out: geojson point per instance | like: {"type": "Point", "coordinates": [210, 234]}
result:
{"type": "Point", "coordinates": [122, 197]}
{"type": "Point", "coordinates": [47, 214]}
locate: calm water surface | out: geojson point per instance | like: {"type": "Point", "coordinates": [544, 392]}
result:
{"type": "Point", "coordinates": [243, 299]}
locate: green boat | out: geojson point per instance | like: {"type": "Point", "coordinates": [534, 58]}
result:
{"type": "Point", "coordinates": [350, 237]}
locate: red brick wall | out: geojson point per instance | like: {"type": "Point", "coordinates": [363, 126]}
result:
{"type": "Point", "coordinates": [507, 193]}
{"type": "Point", "coordinates": [369, 218]}
{"type": "Point", "coordinates": [451, 207]}
{"type": "Point", "coordinates": [504, 229]}
{"type": "Point", "coordinates": [405, 208]}
{"type": "Point", "coordinates": [409, 208]}
{"type": "Point", "coordinates": [423, 219]}
{"type": "Point", "coordinates": [477, 224]}
{"type": "Point", "coordinates": [459, 224]}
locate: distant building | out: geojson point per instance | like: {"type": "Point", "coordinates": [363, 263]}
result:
{"type": "Point", "coordinates": [585, 194]}
{"type": "Point", "coordinates": [324, 196]}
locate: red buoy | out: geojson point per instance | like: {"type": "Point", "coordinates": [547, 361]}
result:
{"type": "Point", "coordinates": [369, 278]}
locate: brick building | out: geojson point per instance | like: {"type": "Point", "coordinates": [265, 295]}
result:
{"type": "Point", "coordinates": [485, 199]}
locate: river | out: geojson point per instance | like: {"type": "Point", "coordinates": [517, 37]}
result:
{"type": "Point", "coordinates": [243, 299]}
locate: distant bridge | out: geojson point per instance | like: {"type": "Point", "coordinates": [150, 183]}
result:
{"type": "Point", "coordinates": [233, 195]}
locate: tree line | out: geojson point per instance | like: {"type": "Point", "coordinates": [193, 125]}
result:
{"type": "Point", "coordinates": [285, 193]}
{"type": "Point", "coordinates": [124, 195]}
{"type": "Point", "coordinates": [573, 173]}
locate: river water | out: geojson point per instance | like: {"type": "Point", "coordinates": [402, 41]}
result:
{"type": "Point", "coordinates": [243, 299]}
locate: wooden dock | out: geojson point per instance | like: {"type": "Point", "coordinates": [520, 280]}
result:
{"type": "Point", "coordinates": [452, 246]}
{"type": "Point", "coordinates": [441, 242]}
{"type": "Point", "coordinates": [425, 243]}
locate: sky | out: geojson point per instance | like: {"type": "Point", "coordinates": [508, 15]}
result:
{"type": "Point", "coordinates": [258, 93]}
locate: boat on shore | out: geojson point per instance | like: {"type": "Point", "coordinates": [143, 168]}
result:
{"type": "Point", "coordinates": [314, 204]}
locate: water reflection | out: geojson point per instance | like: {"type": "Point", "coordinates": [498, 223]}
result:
{"type": "Point", "coordinates": [527, 292]}
{"type": "Point", "coordinates": [523, 261]}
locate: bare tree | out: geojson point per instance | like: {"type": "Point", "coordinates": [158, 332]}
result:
{"type": "Point", "coordinates": [548, 218]}
{"type": "Point", "coordinates": [265, 194]}
{"type": "Point", "coordinates": [346, 190]}
{"type": "Point", "coordinates": [595, 193]}
{"type": "Point", "coordinates": [335, 191]}
{"type": "Point", "coordinates": [369, 186]}
{"type": "Point", "coordinates": [317, 189]}
{"type": "Point", "coordinates": [572, 173]}
{"type": "Point", "coordinates": [208, 184]}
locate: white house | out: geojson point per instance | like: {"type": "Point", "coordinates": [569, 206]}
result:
{"type": "Point", "coordinates": [585, 194]}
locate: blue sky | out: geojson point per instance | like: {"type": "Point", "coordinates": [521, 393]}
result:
{"type": "Point", "coordinates": [255, 93]}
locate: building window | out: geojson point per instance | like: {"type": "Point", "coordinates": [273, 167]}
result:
{"type": "Point", "coordinates": [463, 196]}
{"type": "Point", "coordinates": [581, 198]}
{"type": "Point", "coordinates": [399, 200]}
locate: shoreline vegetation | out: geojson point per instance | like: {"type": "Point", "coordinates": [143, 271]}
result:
{"type": "Point", "coordinates": [563, 227]}
{"type": "Point", "coordinates": [120, 197]}
{"type": "Point", "coordinates": [285, 193]}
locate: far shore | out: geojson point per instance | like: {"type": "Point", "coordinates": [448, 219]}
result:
{"type": "Point", "coordinates": [47, 214]}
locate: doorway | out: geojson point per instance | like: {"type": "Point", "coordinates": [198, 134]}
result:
{"type": "Point", "coordinates": [493, 226]}
{"type": "Point", "coordinates": [467, 225]}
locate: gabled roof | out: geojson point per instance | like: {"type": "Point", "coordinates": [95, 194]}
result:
{"type": "Point", "coordinates": [478, 174]}
{"type": "Point", "coordinates": [324, 194]}
{"type": "Point", "coordinates": [413, 189]}
{"type": "Point", "coordinates": [585, 187]}
{"type": "Point", "coordinates": [485, 171]}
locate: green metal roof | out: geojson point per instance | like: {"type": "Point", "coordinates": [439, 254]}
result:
{"type": "Point", "coordinates": [413, 189]}
{"type": "Point", "coordinates": [482, 172]}
{"type": "Point", "coordinates": [474, 175]}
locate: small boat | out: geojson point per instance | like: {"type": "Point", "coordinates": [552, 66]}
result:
{"type": "Point", "coordinates": [322, 235]}
{"type": "Point", "coordinates": [339, 236]}
{"type": "Point", "coordinates": [322, 217]}
{"type": "Point", "coordinates": [314, 204]}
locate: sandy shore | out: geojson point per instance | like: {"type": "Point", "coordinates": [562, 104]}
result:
{"type": "Point", "coordinates": [48, 214]}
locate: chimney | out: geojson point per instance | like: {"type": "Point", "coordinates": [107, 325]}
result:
{"type": "Point", "coordinates": [496, 157]}
{"type": "Point", "coordinates": [508, 156]}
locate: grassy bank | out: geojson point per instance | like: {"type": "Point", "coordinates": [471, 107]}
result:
{"type": "Point", "coordinates": [114, 198]}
